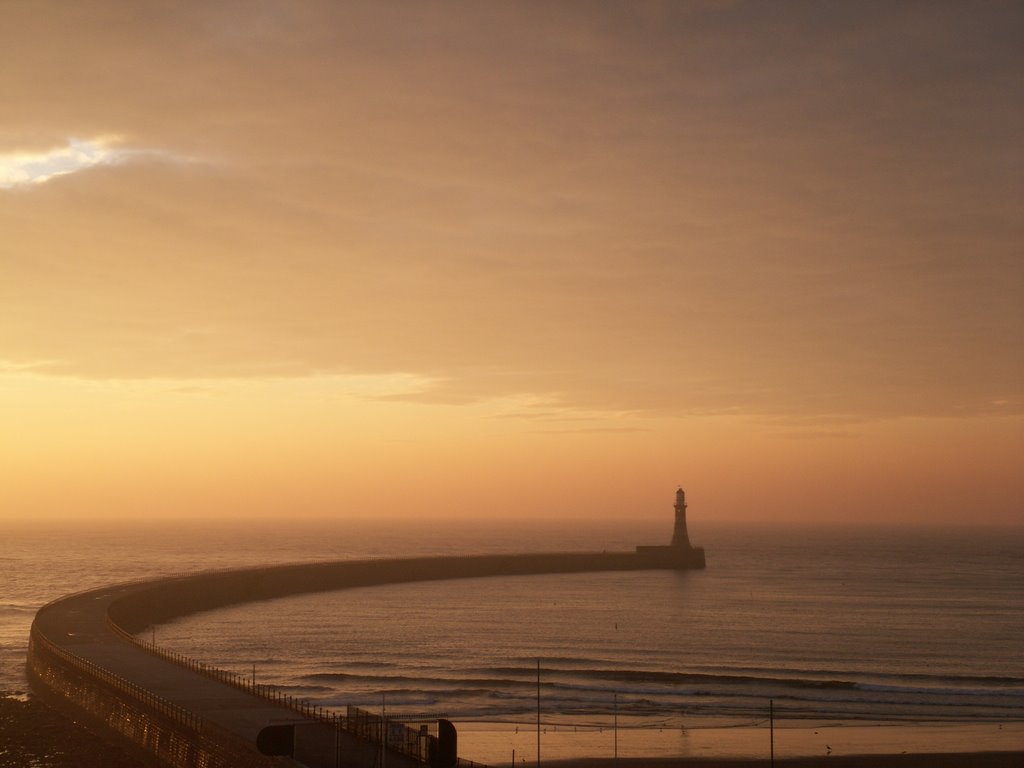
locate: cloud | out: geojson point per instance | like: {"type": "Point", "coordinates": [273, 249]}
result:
{"type": "Point", "coordinates": [23, 367]}
{"type": "Point", "coordinates": [816, 435]}
{"type": "Point", "coordinates": [636, 211]}
{"type": "Point", "coordinates": [592, 430]}
{"type": "Point", "coordinates": [23, 168]}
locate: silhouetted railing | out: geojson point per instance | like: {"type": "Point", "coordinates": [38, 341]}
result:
{"type": "Point", "coordinates": [169, 731]}
{"type": "Point", "coordinates": [360, 723]}
{"type": "Point", "coordinates": [123, 687]}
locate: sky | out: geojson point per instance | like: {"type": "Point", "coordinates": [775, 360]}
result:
{"type": "Point", "coordinates": [512, 261]}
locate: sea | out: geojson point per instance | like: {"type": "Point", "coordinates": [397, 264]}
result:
{"type": "Point", "coordinates": [823, 624]}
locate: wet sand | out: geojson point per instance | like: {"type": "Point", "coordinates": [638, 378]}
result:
{"type": "Point", "coordinates": [962, 760]}
{"type": "Point", "coordinates": [713, 743]}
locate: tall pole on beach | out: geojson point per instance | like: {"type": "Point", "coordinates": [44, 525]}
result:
{"type": "Point", "coordinates": [771, 730]}
{"type": "Point", "coordinates": [615, 721]}
{"type": "Point", "coordinates": [538, 712]}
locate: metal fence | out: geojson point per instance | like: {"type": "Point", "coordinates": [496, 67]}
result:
{"type": "Point", "coordinates": [177, 736]}
{"type": "Point", "coordinates": [362, 724]}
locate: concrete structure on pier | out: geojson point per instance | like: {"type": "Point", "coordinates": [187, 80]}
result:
{"type": "Point", "coordinates": [680, 554]}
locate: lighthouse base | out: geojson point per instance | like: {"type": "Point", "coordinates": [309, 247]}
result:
{"type": "Point", "coordinates": [679, 558]}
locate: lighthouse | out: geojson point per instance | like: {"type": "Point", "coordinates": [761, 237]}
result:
{"type": "Point", "coordinates": [680, 538]}
{"type": "Point", "coordinates": [680, 555]}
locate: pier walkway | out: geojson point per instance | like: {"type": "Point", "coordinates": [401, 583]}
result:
{"type": "Point", "coordinates": [78, 625]}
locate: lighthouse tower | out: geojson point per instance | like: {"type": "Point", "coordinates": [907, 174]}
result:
{"type": "Point", "coordinates": [681, 555]}
{"type": "Point", "coordinates": [680, 538]}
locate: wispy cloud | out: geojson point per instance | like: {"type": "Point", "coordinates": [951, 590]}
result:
{"type": "Point", "coordinates": [25, 168]}
{"type": "Point", "coordinates": [22, 367]}
{"type": "Point", "coordinates": [821, 434]}
{"type": "Point", "coordinates": [591, 430]}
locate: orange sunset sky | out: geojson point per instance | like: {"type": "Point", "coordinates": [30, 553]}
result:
{"type": "Point", "coordinates": [521, 260]}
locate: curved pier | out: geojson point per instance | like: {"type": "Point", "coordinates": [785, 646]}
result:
{"type": "Point", "coordinates": [85, 660]}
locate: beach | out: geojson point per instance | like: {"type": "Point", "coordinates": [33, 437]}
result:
{"type": "Point", "coordinates": [796, 743]}
{"type": "Point", "coordinates": [33, 734]}
{"type": "Point", "coordinates": [924, 760]}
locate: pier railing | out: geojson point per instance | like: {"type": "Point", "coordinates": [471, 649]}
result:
{"type": "Point", "coordinates": [362, 724]}
{"type": "Point", "coordinates": [179, 715]}
{"type": "Point", "coordinates": [176, 735]}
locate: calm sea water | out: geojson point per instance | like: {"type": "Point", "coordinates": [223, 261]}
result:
{"type": "Point", "coordinates": [921, 625]}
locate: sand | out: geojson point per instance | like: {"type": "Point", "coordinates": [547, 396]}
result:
{"type": "Point", "coordinates": [962, 760]}
{"type": "Point", "coordinates": [801, 742]}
